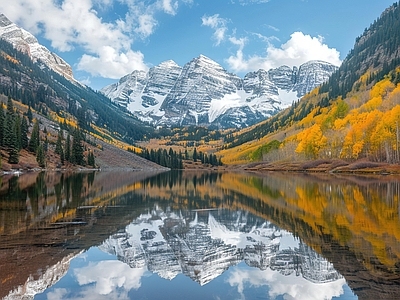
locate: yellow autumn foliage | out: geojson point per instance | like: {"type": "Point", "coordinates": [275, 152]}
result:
{"type": "Point", "coordinates": [368, 130]}
{"type": "Point", "coordinates": [311, 141]}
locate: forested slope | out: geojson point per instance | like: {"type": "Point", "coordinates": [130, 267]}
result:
{"type": "Point", "coordinates": [356, 114]}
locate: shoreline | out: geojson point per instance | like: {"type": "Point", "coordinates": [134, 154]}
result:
{"type": "Point", "coordinates": [358, 167]}
{"type": "Point", "coordinates": [334, 166]}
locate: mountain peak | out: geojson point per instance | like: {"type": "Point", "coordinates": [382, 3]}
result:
{"type": "Point", "coordinates": [4, 21]}
{"type": "Point", "coordinates": [204, 60]}
{"type": "Point", "coordinates": [24, 41]}
{"type": "Point", "coordinates": [203, 57]}
{"type": "Point", "coordinates": [168, 64]}
{"type": "Point", "coordinates": [202, 92]}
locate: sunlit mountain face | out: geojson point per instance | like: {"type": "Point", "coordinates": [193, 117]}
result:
{"type": "Point", "coordinates": [198, 235]}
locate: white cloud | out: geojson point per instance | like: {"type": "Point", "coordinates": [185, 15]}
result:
{"type": "Point", "coordinates": [218, 24]}
{"type": "Point", "coordinates": [146, 25]}
{"type": "Point", "coordinates": [299, 49]}
{"type": "Point", "coordinates": [169, 7]}
{"type": "Point", "coordinates": [237, 62]}
{"type": "Point", "coordinates": [266, 39]}
{"type": "Point", "coordinates": [273, 28]}
{"type": "Point", "coordinates": [71, 24]}
{"type": "Point", "coordinates": [109, 63]}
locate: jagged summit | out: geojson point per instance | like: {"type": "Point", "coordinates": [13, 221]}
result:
{"type": "Point", "coordinates": [24, 41]}
{"type": "Point", "coordinates": [202, 92]}
{"type": "Point", "coordinates": [168, 63]}
{"type": "Point", "coordinates": [205, 61]}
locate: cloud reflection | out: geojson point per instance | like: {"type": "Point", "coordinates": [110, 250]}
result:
{"type": "Point", "coordinates": [289, 287]}
{"type": "Point", "coordinates": [108, 276]}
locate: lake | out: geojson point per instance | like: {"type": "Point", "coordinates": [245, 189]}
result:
{"type": "Point", "coordinates": [199, 235]}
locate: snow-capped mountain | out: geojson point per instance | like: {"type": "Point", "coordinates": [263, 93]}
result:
{"type": "Point", "coordinates": [24, 41]}
{"type": "Point", "coordinates": [202, 92]}
{"type": "Point", "coordinates": [204, 244]}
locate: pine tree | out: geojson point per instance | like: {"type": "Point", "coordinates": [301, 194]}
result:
{"type": "Point", "coordinates": [45, 144]}
{"type": "Point", "coordinates": [77, 149]}
{"type": "Point", "coordinates": [58, 149]}
{"type": "Point", "coordinates": [34, 141]}
{"type": "Point", "coordinates": [17, 129]}
{"type": "Point", "coordinates": [10, 106]}
{"type": "Point", "coordinates": [67, 151]}
{"type": "Point", "coordinates": [40, 156]}
{"type": "Point", "coordinates": [2, 123]}
{"type": "Point", "coordinates": [13, 157]}
{"type": "Point", "coordinates": [91, 160]}
{"type": "Point", "coordinates": [24, 133]}
{"type": "Point", "coordinates": [9, 135]}
{"type": "Point", "coordinates": [29, 114]}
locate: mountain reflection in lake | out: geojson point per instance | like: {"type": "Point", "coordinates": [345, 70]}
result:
{"type": "Point", "coordinates": [180, 235]}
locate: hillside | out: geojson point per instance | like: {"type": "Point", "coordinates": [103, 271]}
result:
{"type": "Point", "coordinates": [35, 85]}
{"type": "Point", "coordinates": [57, 105]}
{"type": "Point", "coordinates": [355, 115]}
{"type": "Point", "coordinates": [109, 153]}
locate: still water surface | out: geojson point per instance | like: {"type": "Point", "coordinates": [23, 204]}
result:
{"type": "Point", "coordinates": [186, 235]}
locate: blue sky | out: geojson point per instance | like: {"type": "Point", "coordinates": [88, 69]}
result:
{"type": "Point", "coordinates": [104, 40]}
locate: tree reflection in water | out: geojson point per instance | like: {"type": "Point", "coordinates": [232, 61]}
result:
{"type": "Point", "coordinates": [350, 223]}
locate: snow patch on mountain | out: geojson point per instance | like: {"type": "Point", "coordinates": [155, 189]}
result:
{"type": "Point", "coordinates": [287, 97]}
{"type": "Point", "coordinates": [203, 93]}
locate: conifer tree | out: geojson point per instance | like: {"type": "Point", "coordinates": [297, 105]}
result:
{"type": "Point", "coordinates": [34, 141]}
{"type": "Point", "coordinates": [29, 114]}
{"type": "Point", "coordinates": [45, 144]}
{"type": "Point", "coordinates": [17, 129]}
{"type": "Point", "coordinates": [13, 157]}
{"type": "Point", "coordinates": [24, 133]}
{"type": "Point", "coordinates": [2, 122]}
{"type": "Point", "coordinates": [58, 149]}
{"type": "Point", "coordinates": [10, 106]}
{"type": "Point", "coordinates": [10, 134]}
{"type": "Point", "coordinates": [91, 160]}
{"type": "Point", "coordinates": [40, 156]}
{"type": "Point", "coordinates": [67, 150]}
{"type": "Point", "coordinates": [77, 148]}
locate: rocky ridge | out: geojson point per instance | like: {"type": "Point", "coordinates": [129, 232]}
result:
{"type": "Point", "coordinates": [202, 92]}
{"type": "Point", "coordinates": [25, 42]}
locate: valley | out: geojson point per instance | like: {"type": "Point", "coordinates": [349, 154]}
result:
{"type": "Point", "coordinates": [201, 116]}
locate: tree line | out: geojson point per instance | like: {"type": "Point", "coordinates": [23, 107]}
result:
{"type": "Point", "coordinates": [174, 160]}
{"type": "Point", "coordinates": [14, 136]}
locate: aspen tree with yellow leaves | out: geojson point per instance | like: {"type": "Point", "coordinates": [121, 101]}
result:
{"type": "Point", "coordinates": [311, 141]}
